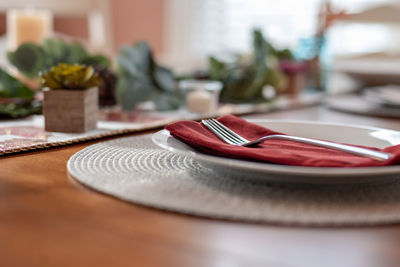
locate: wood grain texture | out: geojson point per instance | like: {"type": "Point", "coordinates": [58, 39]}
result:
{"type": "Point", "coordinates": [48, 219]}
{"type": "Point", "coordinates": [71, 111]}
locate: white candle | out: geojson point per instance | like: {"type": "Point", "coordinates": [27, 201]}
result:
{"type": "Point", "coordinates": [201, 101]}
{"type": "Point", "coordinates": [202, 96]}
{"type": "Point", "coordinates": [28, 25]}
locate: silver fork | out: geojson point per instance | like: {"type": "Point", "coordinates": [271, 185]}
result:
{"type": "Point", "coordinates": [230, 137]}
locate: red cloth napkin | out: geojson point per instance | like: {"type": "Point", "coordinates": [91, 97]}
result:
{"type": "Point", "coordinates": [285, 152]}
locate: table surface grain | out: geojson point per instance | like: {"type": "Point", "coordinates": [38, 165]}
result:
{"type": "Point", "coordinates": [48, 219]}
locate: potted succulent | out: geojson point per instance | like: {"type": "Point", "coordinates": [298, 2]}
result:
{"type": "Point", "coordinates": [295, 72]}
{"type": "Point", "coordinates": [70, 98]}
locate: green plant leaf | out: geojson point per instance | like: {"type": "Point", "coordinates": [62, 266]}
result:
{"type": "Point", "coordinates": [12, 88]}
{"type": "Point", "coordinates": [95, 60]}
{"type": "Point", "coordinates": [164, 79]}
{"type": "Point", "coordinates": [165, 102]}
{"type": "Point", "coordinates": [16, 110]}
{"type": "Point", "coordinates": [141, 79]}
{"type": "Point", "coordinates": [76, 53]}
{"type": "Point", "coordinates": [29, 59]}
{"type": "Point", "coordinates": [56, 51]}
{"type": "Point", "coordinates": [217, 69]}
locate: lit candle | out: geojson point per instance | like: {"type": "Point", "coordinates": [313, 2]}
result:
{"type": "Point", "coordinates": [201, 96]}
{"type": "Point", "coordinates": [28, 25]}
{"type": "Point", "coordinates": [200, 101]}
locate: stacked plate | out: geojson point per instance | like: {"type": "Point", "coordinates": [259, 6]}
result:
{"type": "Point", "coordinates": [386, 96]}
{"type": "Point", "coordinates": [374, 101]}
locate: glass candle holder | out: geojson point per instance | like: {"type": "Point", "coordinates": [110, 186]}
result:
{"type": "Point", "coordinates": [28, 25]}
{"type": "Point", "coordinates": [202, 96]}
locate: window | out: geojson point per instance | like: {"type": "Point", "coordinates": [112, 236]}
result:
{"type": "Point", "coordinates": [198, 28]}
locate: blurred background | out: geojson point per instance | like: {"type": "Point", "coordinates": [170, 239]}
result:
{"type": "Point", "coordinates": [184, 32]}
{"type": "Point", "coordinates": [343, 45]}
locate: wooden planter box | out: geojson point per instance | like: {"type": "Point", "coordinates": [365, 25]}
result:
{"type": "Point", "coordinates": [71, 111]}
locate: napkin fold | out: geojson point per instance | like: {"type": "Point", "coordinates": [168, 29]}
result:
{"type": "Point", "coordinates": [277, 151]}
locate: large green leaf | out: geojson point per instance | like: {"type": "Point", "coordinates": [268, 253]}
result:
{"type": "Point", "coordinates": [12, 88]}
{"type": "Point", "coordinates": [19, 110]}
{"type": "Point", "coordinates": [217, 69]}
{"type": "Point", "coordinates": [165, 101]}
{"type": "Point", "coordinates": [56, 51]}
{"type": "Point", "coordinates": [29, 59]}
{"type": "Point", "coordinates": [164, 79]}
{"type": "Point", "coordinates": [95, 60]}
{"type": "Point", "coordinates": [76, 53]}
{"type": "Point", "coordinates": [141, 79]}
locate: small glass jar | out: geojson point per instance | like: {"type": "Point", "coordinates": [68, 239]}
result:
{"type": "Point", "coordinates": [202, 96]}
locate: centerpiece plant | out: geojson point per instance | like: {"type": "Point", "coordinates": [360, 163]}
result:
{"type": "Point", "coordinates": [141, 79]}
{"type": "Point", "coordinates": [30, 59]}
{"type": "Point", "coordinates": [70, 97]}
{"type": "Point", "coordinates": [16, 99]}
{"type": "Point", "coordinates": [247, 76]}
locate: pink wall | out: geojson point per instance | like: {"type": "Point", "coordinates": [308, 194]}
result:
{"type": "Point", "coordinates": [136, 20]}
{"type": "Point", "coordinates": [73, 26]}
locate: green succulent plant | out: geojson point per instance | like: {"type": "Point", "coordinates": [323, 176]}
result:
{"type": "Point", "coordinates": [70, 76]}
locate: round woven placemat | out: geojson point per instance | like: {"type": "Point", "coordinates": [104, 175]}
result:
{"type": "Point", "coordinates": [135, 170]}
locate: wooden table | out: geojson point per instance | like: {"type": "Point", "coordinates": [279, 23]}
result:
{"type": "Point", "coordinates": [48, 219]}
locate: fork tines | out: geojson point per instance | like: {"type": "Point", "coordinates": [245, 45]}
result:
{"type": "Point", "coordinates": [224, 133]}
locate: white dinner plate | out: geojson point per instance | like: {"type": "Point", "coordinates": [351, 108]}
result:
{"type": "Point", "coordinates": [260, 171]}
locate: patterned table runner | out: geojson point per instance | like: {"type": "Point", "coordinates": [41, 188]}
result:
{"type": "Point", "coordinates": [29, 133]}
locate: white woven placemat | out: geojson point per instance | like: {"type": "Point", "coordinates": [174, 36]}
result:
{"type": "Point", "coordinates": [135, 170]}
